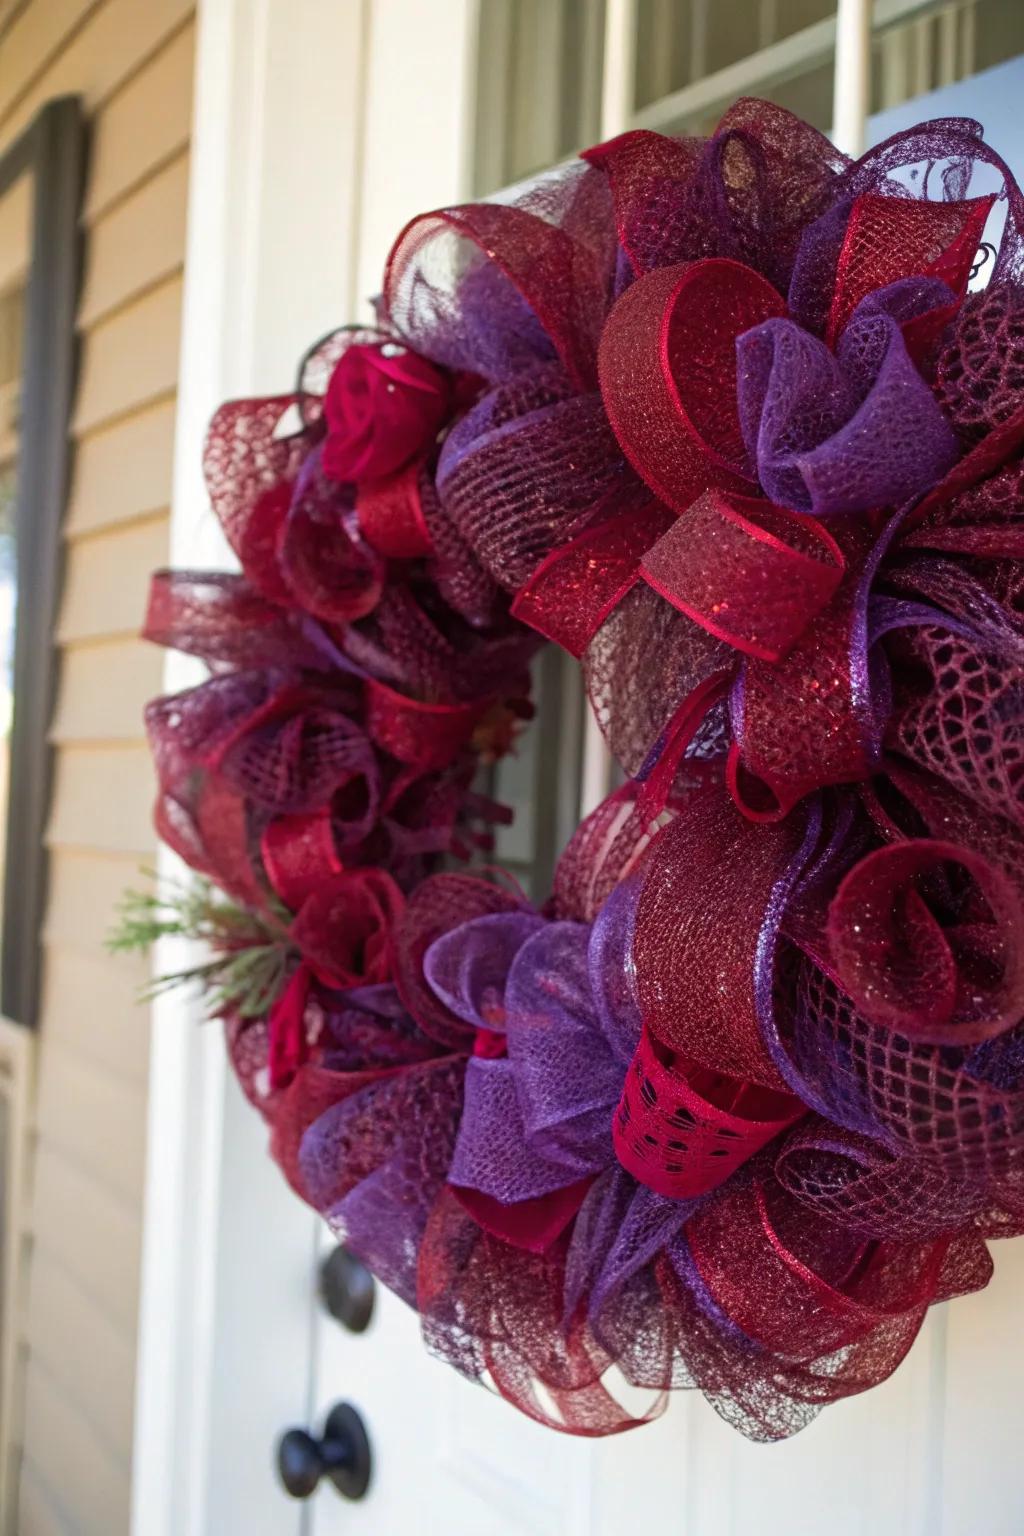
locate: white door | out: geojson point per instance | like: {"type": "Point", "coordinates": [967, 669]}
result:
{"type": "Point", "coordinates": [412, 105]}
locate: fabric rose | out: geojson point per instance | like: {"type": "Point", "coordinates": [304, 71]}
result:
{"type": "Point", "coordinates": [343, 930]}
{"type": "Point", "coordinates": [384, 405]}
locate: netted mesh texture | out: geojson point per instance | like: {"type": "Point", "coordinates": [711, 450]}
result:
{"type": "Point", "coordinates": [966, 723]}
{"type": "Point", "coordinates": [695, 945]}
{"type": "Point", "coordinates": [926, 1100]}
{"type": "Point", "coordinates": [852, 1180]}
{"type": "Point", "coordinates": [296, 761]}
{"type": "Point", "coordinates": [422, 647]}
{"type": "Point", "coordinates": [509, 487]}
{"type": "Point", "coordinates": [543, 295]}
{"type": "Point", "coordinates": [645, 637]}
{"type": "Point", "coordinates": [454, 567]}
{"type": "Point", "coordinates": [980, 370]}
{"type": "Point", "coordinates": [603, 851]}
{"type": "Point", "coordinates": [376, 1161]}
{"type": "Point", "coordinates": [330, 570]}
{"type": "Point", "coordinates": [745, 1095]}
{"type": "Point", "coordinates": [748, 193]}
{"type": "Point", "coordinates": [219, 617]}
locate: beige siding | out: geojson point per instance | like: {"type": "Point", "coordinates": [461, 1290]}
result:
{"type": "Point", "coordinates": [89, 1229]}
{"type": "Point", "coordinates": [75, 1464]}
{"type": "Point", "coordinates": [100, 600]}
{"type": "Point", "coordinates": [15, 232]}
{"type": "Point", "coordinates": [38, 1515]}
{"type": "Point", "coordinates": [130, 358]}
{"type": "Point", "coordinates": [131, 60]}
{"type": "Point", "coordinates": [103, 688]}
{"type": "Point", "coordinates": [123, 470]}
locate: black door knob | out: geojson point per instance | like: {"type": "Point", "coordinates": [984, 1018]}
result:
{"type": "Point", "coordinates": [347, 1289]}
{"type": "Point", "coordinates": [342, 1454]}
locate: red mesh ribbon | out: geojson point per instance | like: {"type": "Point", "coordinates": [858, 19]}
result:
{"type": "Point", "coordinates": [573, 590]}
{"type": "Point", "coordinates": [707, 881]}
{"type": "Point", "coordinates": [217, 615]}
{"type": "Point", "coordinates": [343, 929]}
{"type": "Point", "coordinates": [490, 1308]}
{"type": "Point", "coordinates": [952, 984]}
{"type": "Point", "coordinates": [801, 1285]}
{"type": "Point", "coordinates": [648, 174]}
{"type": "Point", "coordinates": [806, 720]}
{"type": "Point", "coordinates": [423, 735]}
{"type": "Point", "coordinates": [748, 572]}
{"type": "Point", "coordinates": [299, 854]}
{"type": "Point", "coordinates": [329, 569]}
{"type": "Point", "coordinates": [749, 191]}
{"type": "Point", "coordinates": [286, 1029]}
{"type": "Point", "coordinates": [391, 516]}
{"type": "Point", "coordinates": [679, 732]}
{"type": "Point", "coordinates": [552, 271]}
{"type": "Point", "coordinates": [209, 829]}
{"type": "Point", "coordinates": [250, 472]}
{"type": "Point", "coordinates": [682, 1132]}
{"type": "Point", "coordinates": [603, 852]}
{"type": "Point", "coordinates": [889, 238]}
{"type": "Point", "coordinates": [995, 448]}
{"type": "Point", "coordinates": [668, 375]}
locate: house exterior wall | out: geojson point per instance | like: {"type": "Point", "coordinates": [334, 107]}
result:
{"type": "Point", "coordinates": [131, 61]}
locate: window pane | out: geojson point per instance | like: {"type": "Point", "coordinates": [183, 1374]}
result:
{"type": "Point", "coordinates": [11, 329]}
{"type": "Point", "coordinates": [949, 43]}
{"type": "Point", "coordinates": [538, 88]}
{"type": "Point", "coordinates": [682, 45]}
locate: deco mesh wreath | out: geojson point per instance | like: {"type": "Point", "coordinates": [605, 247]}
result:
{"type": "Point", "coordinates": [746, 1095]}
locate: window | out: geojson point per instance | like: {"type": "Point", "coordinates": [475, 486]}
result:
{"type": "Point", "coordinates": [12, 320]}
{"type": "Point", "coordinates": [40, 193]}
{"type": "Point", "coordinates": [939, 45]}
{"type": "Point", "coordinates": [695, 57]}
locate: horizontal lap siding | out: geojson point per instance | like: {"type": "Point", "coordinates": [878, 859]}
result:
{"type": "Point", "coordinates": [132, 64]}
{"type": "Point", "coordinates": [123, 471]}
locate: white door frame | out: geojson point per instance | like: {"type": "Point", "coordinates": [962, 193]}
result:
{"type": "Point", "coordinates": [305, 124]}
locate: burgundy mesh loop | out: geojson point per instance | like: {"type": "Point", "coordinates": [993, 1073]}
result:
{"type": "Point", "coordinates": [676, 422]}
{"type": "Point", "coordinates": [250, 471]}
{"type": "Point", "coordinates": [559, 277]}
{"type": "Point", "coordinates": [955, 983]}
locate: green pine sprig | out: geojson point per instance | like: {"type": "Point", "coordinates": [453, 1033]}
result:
{"type": "Point", "coordinates": [250, 952]}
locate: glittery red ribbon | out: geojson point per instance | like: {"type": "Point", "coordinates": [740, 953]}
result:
{"type": "Point", "coordinates": [286, 1029]}
{"type": "Point", "coordinates": [299, 854]}
{"type": "Point", "coordinates": [890, 238]}
{"type": "Point", "coordinates": [391, 517]}
{"type": "Point", "coordinates": [751, 573]}
{"type": "Point", "coordinates": [680, 731]}
{"type": "Point", "coordinates": [571, 593]}
{"type": "Point", "coordinates": [667, 365]}
{"type": "Point", "coordinates": [343, 929]}
{"type": "Point", "coordinates": [793, 1308]}
{"type": "Point", "coordinates": [423, 735]}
